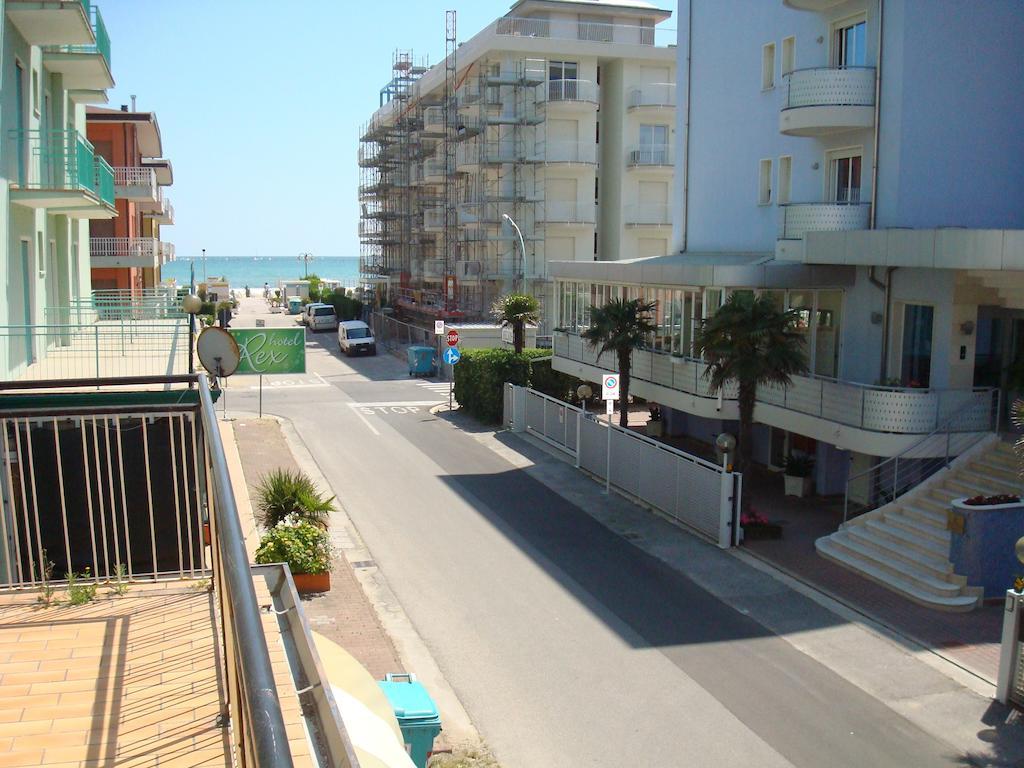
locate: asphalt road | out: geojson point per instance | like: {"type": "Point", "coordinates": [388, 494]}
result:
{"type": "Point", "coordinates": [568, 645]}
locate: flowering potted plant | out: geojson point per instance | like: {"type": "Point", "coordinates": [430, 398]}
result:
{"type": "Point", "coordinates": [798, 470]}
{"type": "Point", "coordinates": [306, 549]}
{"type": "Point", "coordinates": [756, 526]}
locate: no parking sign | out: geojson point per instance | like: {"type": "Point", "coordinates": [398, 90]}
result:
{"type": "Point", "coordinates": [610, 386]}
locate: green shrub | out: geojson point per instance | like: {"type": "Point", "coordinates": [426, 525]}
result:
{"type": "Point", "coordinates": [302, 545]}
{"type": "Point", "coordinates": [281, 493]}
{"type": "Point", "coordinates": [344, 305]}
{"type": "Point", "coordinates": [546, 379]}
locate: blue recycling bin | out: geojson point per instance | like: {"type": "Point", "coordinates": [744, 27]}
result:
{"type": "Point", "coordinates": [421, 361]}
{"type": "Point", "coordinates": [416, 713]}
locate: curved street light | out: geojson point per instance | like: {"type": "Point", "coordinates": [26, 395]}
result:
{"type": "Point", "coordinates": [518, 277]}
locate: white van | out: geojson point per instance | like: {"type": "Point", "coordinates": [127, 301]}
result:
{"type": "Point", "coordinates": [321, 317]}
{"type": "Point", "coordinates": [356, 338]}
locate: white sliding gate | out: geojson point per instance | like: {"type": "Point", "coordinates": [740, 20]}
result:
{"type": "Point", "coordinates": [689, 489]}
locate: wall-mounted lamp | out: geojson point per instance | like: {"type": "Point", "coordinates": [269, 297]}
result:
{"type": "Point", "coordinates": [967, 327]}
{"type": "Point", "coordinates": [815, 166]}
{"type": "Point", "coordinates": [821, 39]}
{"type": "Point", "coordinates": [876, 318]}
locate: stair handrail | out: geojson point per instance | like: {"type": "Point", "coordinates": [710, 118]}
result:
{"type": "Point", "coordinates": [945, 427]}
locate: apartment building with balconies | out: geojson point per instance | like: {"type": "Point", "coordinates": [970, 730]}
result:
{"type": "Point", "coordinates": [546, 136]}
{"type": "Point", "coordinates": [126, 253]}
{"type": "Point", "coordinates": [54, 59]}
{"type": "Point", "coordinates": [862, 162]}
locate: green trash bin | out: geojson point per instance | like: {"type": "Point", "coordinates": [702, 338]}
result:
{"type": "Point", "coordinates": [294, 305]}
{"type": "Point", "coordinates": [416, 713]}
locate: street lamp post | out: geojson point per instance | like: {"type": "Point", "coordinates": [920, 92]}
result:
{"type": "Point", "coordinates": [204, 265]}
{"type": "Point", "coordinates": [306, 258]}
{"type": "Point", "coordinates": [518, 277]}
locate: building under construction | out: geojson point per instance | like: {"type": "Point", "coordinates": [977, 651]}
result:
{"type": "Point", "coordinates": [479, 170]}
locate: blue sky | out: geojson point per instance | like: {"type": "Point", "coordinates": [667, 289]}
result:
{"type": "Point", "coordinates": [260, 106]}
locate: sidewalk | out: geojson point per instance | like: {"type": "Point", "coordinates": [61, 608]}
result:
{"type": "Point", "coordinates": [941, 698]}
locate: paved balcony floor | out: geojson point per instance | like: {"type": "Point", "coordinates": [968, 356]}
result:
{"type": "Point", "coordinates": [122, 681]}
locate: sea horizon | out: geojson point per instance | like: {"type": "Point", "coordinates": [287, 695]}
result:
{"type": "Point", "coordinates": [254, 271]}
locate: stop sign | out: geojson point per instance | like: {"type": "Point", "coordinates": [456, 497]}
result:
{"type": "Point", "coordinates": [453, 338]}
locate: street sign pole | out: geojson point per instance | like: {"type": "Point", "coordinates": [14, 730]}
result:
{"type": "Point", "coordinates": [610, 411]}
{"type": "Point", "coordinates": [261, 395]}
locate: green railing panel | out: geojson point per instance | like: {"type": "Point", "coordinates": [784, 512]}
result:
{"type": "Point", "coordinates": [100, 31]}
{"type": "Point", "coordinates": [104, 176]}
{"type": "Point", "coordinates": [83, 175]}
{"type": "Point", "coordinates": [64, 160]}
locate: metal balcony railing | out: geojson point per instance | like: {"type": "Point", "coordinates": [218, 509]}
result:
{"type": "Point", "coordinates": [648, 214]}
{"type": "Point", "coordinates": [650, 155]}
{"type": "Point", "coordinates": [568, 91]}
{"type": "Point", "coordinates": [104, 181]}
{"type": "Point", "coordinates": [140, 247]}
{"type": "Point", "coordinates": [137, 180]}
{"type": "Point", "coordinates": [896, 410]}
{"type": "Point", "coordinates": [653, 95]}
{"type": "Point", "coordinates": [593, 31]}
{"type": "Point", "coordinates": [830, 87]}
{"type": "Point", "coordinates": [99, 30]}
{"type": "Point", "coordinates": [77, 470]}
{"type": "Point", "coordinates": [59, 160]}
{"type": "Point", "coordinates": [798, 218]}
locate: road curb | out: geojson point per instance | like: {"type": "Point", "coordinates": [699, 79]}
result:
{"type": "Point", "coordinates": [459, 731]}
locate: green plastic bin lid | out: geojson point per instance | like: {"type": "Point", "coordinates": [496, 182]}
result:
{"type": "Point", "coordinates": [410, 701]}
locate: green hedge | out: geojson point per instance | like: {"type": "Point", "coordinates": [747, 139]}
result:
{"type": "Point", "coordinates": [481, 375]}
{"type": "Point", "coordinates": [345, 306]}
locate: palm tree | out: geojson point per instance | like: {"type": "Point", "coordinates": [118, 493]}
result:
{"type": "Point", "coordinates": [621, 326]}
{"type": "Point", "coordinates": [516, 310]}
{"type": "Point", "coordinates": [753, 341]}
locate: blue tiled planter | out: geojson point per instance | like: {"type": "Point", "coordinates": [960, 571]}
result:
{"type": "Point", "coordinates": [982, 545]}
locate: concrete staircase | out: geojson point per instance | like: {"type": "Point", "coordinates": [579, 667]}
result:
{"type": "Point", "coordinates": [904, 545]}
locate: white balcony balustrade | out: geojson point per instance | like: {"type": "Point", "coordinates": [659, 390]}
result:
{"type": "Point", "coordinates": [648, 215]}
{"type": "Point", "coordinates": [145, 252]}
{"type": "Point", "coordinates": [799, 218]}
{"type": "Point", "coordinates": [656, 95]}
{"type": "Point", "coordinates": [590, 31]}
{"type": "Point", "coordinates": [134, 183]}
{"type": "Point", "coordinates": [826, 100]}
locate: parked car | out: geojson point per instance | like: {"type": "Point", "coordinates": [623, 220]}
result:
{"type": "Point", "coordinates": [322, 317]}
{"type": "Point", "coordinates": [356, 338]}
{"type": "Point", "coordinates": [307, 312]}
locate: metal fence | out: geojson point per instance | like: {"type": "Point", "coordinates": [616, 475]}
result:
{"type": "Point", "coordinates": [1010, 682]}
{"type": "Point", "coordinates": [99, 348]}
{"type": "Point", "coordinates": [695, 492]}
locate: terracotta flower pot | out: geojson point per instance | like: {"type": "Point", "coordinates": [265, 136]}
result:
{"type": "Point", "coordinates": [206, 534]}
{"type": "Point", "coordinates": [306, 583]}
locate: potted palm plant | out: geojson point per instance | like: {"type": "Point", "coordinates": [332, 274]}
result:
{"type": "Point", "coordinates": [798, 469]}
{"type": "Point", "coordinates": [282, 493]}
{"type": "Point", "coordinates": [306, 549]}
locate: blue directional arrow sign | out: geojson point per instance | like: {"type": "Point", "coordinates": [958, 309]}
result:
{"type": "Point", "coordinates": [452, 355]}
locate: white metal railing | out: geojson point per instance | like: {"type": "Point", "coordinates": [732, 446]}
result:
{"type": "Point", "coordinates": [569, 211]}
{"type": "Point", "coordinates": [569, 151]}
{"type": "Point", "coordinates": [649, 155]}
{"type": "Point", "coordinates": [131, 176]}
{"type": "Point", "coordinates": [166, 252]}
{"type": "Point", "coordinates": [697, 493]}
{"type": "Point", "coordinates": [138, 247]}
{"type": "Point", "coordinates": [650, 214]}
{"type": "Point", "coordinates": [896, 410]}
{"type": "Point", "coordinates": [830, 87]}
{"type": "Point", "coordinates": [653, 95]}
{"type": "Point", "coordinates": [593, 31]}
{"type": "Point", "coordinates": [568, 91]}
{"type": "Point", "coordinates": [799, 218]}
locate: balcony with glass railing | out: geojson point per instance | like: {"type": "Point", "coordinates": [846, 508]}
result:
{"type": "Point", "coordinates": [585, 31]}
{"type": "Point", "coordinates": [872, 419]}
{"type": "Point", "coordinates": [569, 93]}
{"type": "Point", "coordinates": [570, 152]}
{"type": "Point", "coordinates": [57, 22]}
{"type": "Point", "coordinates": [568, 213]}
{"type": "Point", "coordinates": [647, 215]}
{"type": "Point", "coordinates": [825, 100]}
{"type": "Point", "coordinates": [651, 156]}
{"type": "Point", "coordinates": [653, 96]}
{"type": "Point", "coordinates": [135, 183]}
{"type": "Point", "coordinates": [84, 66]}
{"type": "Point", "coordinates": [59, 169]}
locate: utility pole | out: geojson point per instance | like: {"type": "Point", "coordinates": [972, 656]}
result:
{"type": "Point", "coordinates": [204, 265]}
{"type": "Point", "coordinates": [451, 113]}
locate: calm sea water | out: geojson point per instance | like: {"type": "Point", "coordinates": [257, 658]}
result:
{"type": "Point", "coordinates": [254, 271]}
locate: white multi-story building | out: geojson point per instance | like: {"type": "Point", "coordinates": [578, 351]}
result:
{"type": "Point", "coordinates": [863, 162]}
{"type": "Point", "coordinates": [54, 59]}
{"type": "Point", "coordinates": [558, 119]}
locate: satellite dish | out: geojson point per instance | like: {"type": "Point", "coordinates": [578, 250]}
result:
{"type": "Point", "coordinates": [218, 351]}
